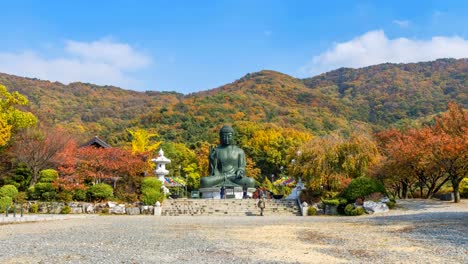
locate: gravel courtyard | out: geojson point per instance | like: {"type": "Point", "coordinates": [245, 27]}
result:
{"type": "Point", "coordinates": [418, 232]}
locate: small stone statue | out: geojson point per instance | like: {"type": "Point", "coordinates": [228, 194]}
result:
{"type": "Point", "coordinates": [227, 164]}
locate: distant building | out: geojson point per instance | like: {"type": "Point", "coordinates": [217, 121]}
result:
{"type": "Point", "coordinates": [96, 142]}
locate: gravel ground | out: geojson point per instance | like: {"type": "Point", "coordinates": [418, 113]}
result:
{"type": "Point", "coordinates": [418, 232]}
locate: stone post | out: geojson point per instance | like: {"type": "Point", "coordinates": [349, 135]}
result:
{"type": "Point", "coordinates": [157, 209]}
{"type": "Point", "coordinates": [305, 207]}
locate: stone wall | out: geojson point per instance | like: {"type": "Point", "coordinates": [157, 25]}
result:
{"type": "Point", "coordinates": [90, 208]}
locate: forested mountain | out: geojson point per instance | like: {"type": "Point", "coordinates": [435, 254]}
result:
{"type": "Point", "coordinates": [378, 96]}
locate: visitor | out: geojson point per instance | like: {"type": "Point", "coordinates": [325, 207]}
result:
{"type": "Point", "coordinates": [261, 205]}
{"type": "Point", "coordinates": [222, 192]}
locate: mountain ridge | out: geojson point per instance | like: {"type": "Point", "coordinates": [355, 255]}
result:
{"type": "Point", "coordinates": [380, 96]}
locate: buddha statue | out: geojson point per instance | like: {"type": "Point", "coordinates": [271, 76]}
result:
{"type": "Point", "coordinates": [227, 164]}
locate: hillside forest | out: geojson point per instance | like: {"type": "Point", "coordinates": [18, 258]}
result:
{"type": "Point", "coordinates": [403, 125]}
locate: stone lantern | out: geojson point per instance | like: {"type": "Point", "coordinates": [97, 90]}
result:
{"type": "Point", "coordinates": [160, 170]}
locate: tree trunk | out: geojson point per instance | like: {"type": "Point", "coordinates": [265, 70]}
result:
{"type": "Point", "coordinates": [456, 191]}
{"type": "Point", "coordinates": [35, 177]}
{"type": "Point", "coordinates": [421, 192]}
{"type": "Point", "coordinates": [404, 190]}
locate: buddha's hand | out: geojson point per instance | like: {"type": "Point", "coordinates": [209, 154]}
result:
{"type": "Point", "coordinates": [239, 174]}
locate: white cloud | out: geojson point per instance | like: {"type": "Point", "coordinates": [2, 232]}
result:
{"type": "Point", "coordinates": [374, 47]}
{"type": "Point", "coordinates": [401, 23]}
{"type": "Point", "coordinates": [101, 62]}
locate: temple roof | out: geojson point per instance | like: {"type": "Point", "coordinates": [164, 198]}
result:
{"type": "Point", "coordinates": [96, 142]}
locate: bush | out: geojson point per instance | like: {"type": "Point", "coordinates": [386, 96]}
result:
{"type": "Point", "coordinates": [105, 211]}
{"type": "Point", "coordinates": [330, 195]}
{"type": "Point", "coordinates": [42, 191]}
{"type": "Point", "coordinates": [48, 175]}
{"type": "Point", "coordinates": [34, 208]}
{"type": "Point", "coordinates": [351, 210]}
{"type": "Point", "coordinates": [65, 210]}
{"type": "Point", "coordinates": [391, 205]}
{"type": "Point", "coordinates": [9, 190]}
{"type": "Point", "coordinates": [150, 183]}
{"type": "Point", "coordinates": [65, 196]}
{"type": "Point", "coordinates": [48, 196]}
{"type": "Point", "coordinates": [348, 209]}
{"type": "Point", "coordinates": [5, 202]}
{"type": "Point", "coordinates": [151, 191]}
{"type": "Point", "coordinates": [463, 189]}
{"type": "Point", "coordinates": [342, 205]}
{"type": "Point", "coordinates": [361, 187]}
{"type": "Point", "coordinates": [125, 196]}
{"type": "Point", "coordinates": [100, 191]}
{"type": "Point", "coordinates": [359, 211]}
{"type": "Point", "coordinates": [22, 197]}
{"type": "Point", "coordinates": [332, 202]}
{"type": "Point", "coordinates": [79, 195]}
{"type": "Point", "coordinates": [311, 211]}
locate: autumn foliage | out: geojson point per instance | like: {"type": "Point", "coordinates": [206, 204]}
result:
{"type": "Point", "coordinates": [96, 165]}
{"type": "Point", "coordinates": [428, 157]}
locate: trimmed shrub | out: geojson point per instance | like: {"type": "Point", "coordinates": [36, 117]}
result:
{"type": "Point", "coordinates": [331, 202]}
{"type": "Point", "coordinates": [348, 209]}
{"type": "Point", "coordinates": [9, 190]}
{"type": "Point", "coordinates": [359, 211]}
{"type": "Point", "coordinates": [342, 205]}
{"type": "Point", "coordinates": [44, 190]}
{"type": "Point", "coordinates": [34, 208]}
{"type": "Point", "coordinates": [79, 195]}
{"type": "Point", "coordinates": [351, 210]}
{"type": "Point", "coordinates": [361, 187]}
{"type": "Point", "coordinates": [48, 175]}
{"type": "Point", "coordinates": [151, 191]}
{"type": "Point", "coordinates": [65, 210]}
{"type": "Point", "coordinates": [311, 211]}
{"type": "Point", "coordinates": [5, 202]}
{"type": "Point", "coordinates": [100, 191]}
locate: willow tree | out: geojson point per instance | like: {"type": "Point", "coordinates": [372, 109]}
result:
{"type": "Point", "coordinates": [332, 161]}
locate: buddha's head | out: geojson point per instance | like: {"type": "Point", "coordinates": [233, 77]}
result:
{"type": "Point", "coordinates": [226, 135]}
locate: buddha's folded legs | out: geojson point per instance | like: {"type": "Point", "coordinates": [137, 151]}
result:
{"type": "Point", "coordinates": [245, 182]}
{"type": "Point", "coordinates": [210, 181]}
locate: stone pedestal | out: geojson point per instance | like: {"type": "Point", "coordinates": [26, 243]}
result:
{"type": "Point", "coordinates": [229, 193]}
{"type": "Point", "coordinates": [210, 193]}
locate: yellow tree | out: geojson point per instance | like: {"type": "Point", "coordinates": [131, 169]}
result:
{"type": "Point", "coordinates": [5, 131]}
{"type": "Point", "coordinates": [269, 145]}
{"type": "Point", "coordinates": [141, 141]}
{"type": "Point", "coordinates": [11, 118]}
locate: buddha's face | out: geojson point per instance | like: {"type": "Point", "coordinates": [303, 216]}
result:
{"type": "Point", "coordinates": [226, 138]}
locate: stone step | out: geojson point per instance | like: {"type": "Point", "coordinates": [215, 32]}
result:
{"type": "Point", "coordinates": [233, 207]}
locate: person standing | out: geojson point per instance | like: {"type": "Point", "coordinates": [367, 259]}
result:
{"type": "Point", "coordinates": [261, 205]}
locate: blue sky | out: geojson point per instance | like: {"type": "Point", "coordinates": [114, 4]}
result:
{"type": "Point", "coordinates": [188, 46]}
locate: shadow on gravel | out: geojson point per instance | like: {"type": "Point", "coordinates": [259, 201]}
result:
{"type": "Point", "coordinates": [422, 204]}
{"type": "Point", "coordinates": [439, 227]}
